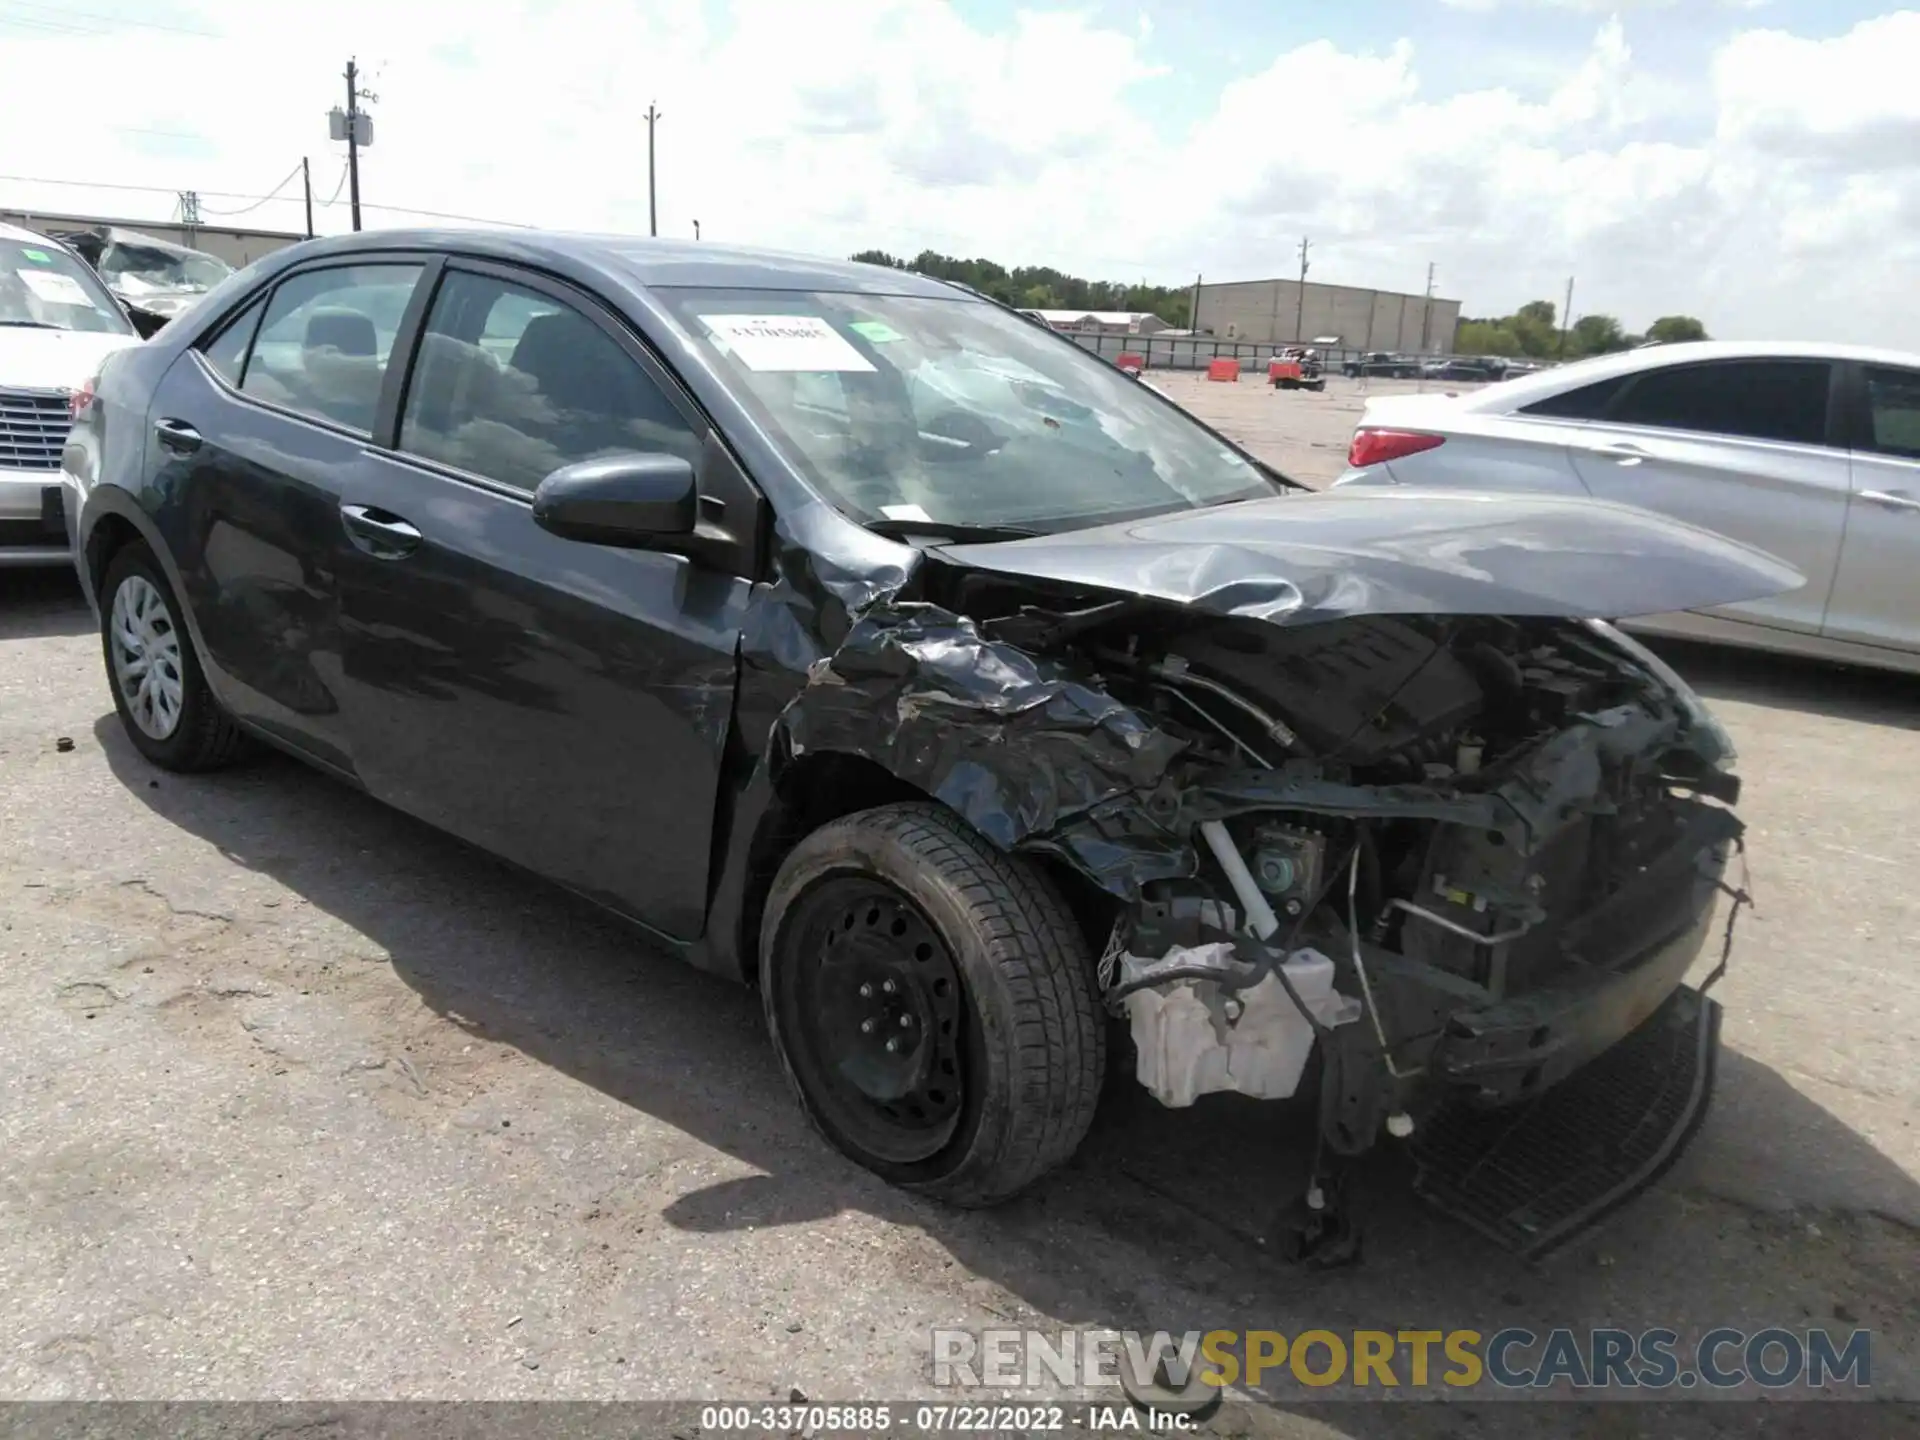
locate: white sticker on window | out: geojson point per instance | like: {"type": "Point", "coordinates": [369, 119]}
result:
{"type": "Point", "coordinates": [906, 512]}
{"type": "Point", "coordinates": [785, 342]}
{"type": "Point", "coordinates": [55, 288]}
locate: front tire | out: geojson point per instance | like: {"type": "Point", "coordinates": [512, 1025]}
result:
{"type": "Point", "coordinates": [933, 1004]}
{"type": "Point", "coordinates": [158, 686]}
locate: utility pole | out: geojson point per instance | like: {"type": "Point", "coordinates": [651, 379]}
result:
{"type": "Point", "coordinates": [653, 214]}
{"type": "Point", "coordinates": [696, 229]}
{"type": "Point", "coordinates": [353, 140]}
{"type": "Point", "coordinates": [1193, 320]}
{"type": "Point", "coordinates": [355, 126]}
{"type": "Point", "coordinates": [1566, 319]}
{"type": "Point", "coordinates": [306, 184]}
{"type": "Point", "coordinates": [1300, 314]}
{"type": "Point", "coordinates": [1426, 312]}
{"type": "Point", "coordinates": [190, 213]}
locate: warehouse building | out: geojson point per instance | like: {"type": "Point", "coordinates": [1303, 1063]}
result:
{"type": "Point", "coordinates": [1340, 316]}
{"type": "Point", "coordinates": [236, 245]}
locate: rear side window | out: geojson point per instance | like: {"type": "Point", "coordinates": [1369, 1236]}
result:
{"type": "Point", "coordinates": [512, 384]}
{"type": "Point", "coordinates": [324, 343]}
{"type": "Point", "coordinates": [1893, 402]}
{"type": "Point", "coordinates": [1589, 402]}
{"type": "Point", "coordinates": [1754, 399]}
{"type": "Point", "coordinates": [227, 351]}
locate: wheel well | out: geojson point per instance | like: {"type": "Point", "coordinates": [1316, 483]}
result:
{"type": "Point", "coordinates": [111, 534]}
{"type": "Point", "coordinates": [821, 788]}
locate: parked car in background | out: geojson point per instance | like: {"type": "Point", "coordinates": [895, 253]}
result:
{"type": "Point", "coordinates": [1810, 452]}
{"type": "Point", "coordinates": [154, 278]}
{"type": "Point", "coordinates": [862, 641]}
{"type": "Point", "coordinates": [1464, 367]}
{"type": "Point", "coordinates": [1383, 363]}
{"type": "Point", "coordinates": [57, 323]}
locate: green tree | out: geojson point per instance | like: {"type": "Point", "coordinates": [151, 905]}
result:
{"type": "Point", "coordinates": [1596, 335]}
{"type": "Point", "coordinates": [1674, 329]}
{"type": "Point", "coordinates": [1485, 337]}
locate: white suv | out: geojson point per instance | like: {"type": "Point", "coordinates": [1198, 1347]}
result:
{"type": "Point", "coordinates": [1811, 452]}
{"type": "Point", "coordinates": [57, 323]}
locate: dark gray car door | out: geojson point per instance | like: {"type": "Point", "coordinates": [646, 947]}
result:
{"type": "Point", "coordinates": [562, 704]}
{"type": "Point", "coordinates": [252, 434]}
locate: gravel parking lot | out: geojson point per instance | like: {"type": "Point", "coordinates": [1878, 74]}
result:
{"type": "Point", "coordinates": [301, 1099]}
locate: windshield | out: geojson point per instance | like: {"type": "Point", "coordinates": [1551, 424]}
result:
{"type": "Point", "coordinates": [132, 267]}
{"type": "Point", "coordinates": [956, 412]}
{"type": "Point", "coordinates": [45, 287]}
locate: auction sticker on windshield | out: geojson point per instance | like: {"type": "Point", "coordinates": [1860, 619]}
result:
{"type": "Point", "coordinates": [784, 342]}
{"type": "Point", "coordinates": [54, 288]}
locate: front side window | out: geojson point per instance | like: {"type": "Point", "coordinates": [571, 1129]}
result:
{"type": "Point", "coordinates": [956, 412]}
{"type": "Point", "coordinates": [326, 338]}
{"type": "Point", "coordinates": [1753, 399]}
{"type": "Point", "coordinates": [1893, 401]}
{"type": "Point", "coordinates": [512, 384]}
{"type": "Point", "coordinates": [45, 287]}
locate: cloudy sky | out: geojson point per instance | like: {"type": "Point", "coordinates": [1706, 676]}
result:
{"type": "Point", "coordinates": [1755, 162]}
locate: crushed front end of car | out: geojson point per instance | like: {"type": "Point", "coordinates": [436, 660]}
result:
{"type": "Point", "coordinates": [1417, 836]}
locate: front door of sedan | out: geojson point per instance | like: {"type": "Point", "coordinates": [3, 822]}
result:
{"type": "Point", "coordinates": [562, 704]}
{"type": "Point", "coordinates": [1876, 599]}
{"type": "Point", "coordinates": [251, 436]}
{"type": "Point", "coordinates": [1739, 447]}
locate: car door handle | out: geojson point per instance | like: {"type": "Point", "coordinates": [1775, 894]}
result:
{"type": "Point", "coordinates": [1892, 499]}
{"type": "Point", "coordinates": [177, 435]}
{"type": "Point", "coordinates": [381, 534]}
{"type": "Point", "coordinates": [1623, 453]}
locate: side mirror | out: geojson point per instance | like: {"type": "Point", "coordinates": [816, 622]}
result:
{"type": "Point", "coordinates": [631, 500]}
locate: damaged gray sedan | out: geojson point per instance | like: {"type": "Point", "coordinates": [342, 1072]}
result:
{"type": "Point", "coordinates": [864, 641]}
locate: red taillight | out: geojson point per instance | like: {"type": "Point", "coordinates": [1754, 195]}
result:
{"type": "Point", "coordinates": [1377, 447]}
{"type": "Point", "coordinates": [82, 396]}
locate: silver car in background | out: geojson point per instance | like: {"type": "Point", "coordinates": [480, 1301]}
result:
{"type": "Point", "coordinates": [1810, 452]}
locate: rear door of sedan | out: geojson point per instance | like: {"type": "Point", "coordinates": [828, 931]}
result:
{"type": "Point", "coordinates": [251, 435]}
{"type": "Point", "coordinates": [1746, 447]}
{"type": "Point", "coordinates": [1876, 598]}
{"type": "Point", "coordinates": [563, 704]}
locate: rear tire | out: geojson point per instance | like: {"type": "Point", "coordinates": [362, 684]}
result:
{"type": "Point", "coordinates": [171, 718]}
{"type": "Point", "coordinates": [903, 925]}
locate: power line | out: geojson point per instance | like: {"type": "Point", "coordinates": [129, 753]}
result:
{"type": "Point", "coordinates": [62, 15]}
{"type": "Point", "coordinates": [240, 195]}
{"type": "Point", "coordinates": [245, 209]}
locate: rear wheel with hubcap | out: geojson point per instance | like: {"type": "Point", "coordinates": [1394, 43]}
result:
{"type": "Point", "coordinates": [932, 1001]}
{"type": "Point", "coordinates": [158, 688]}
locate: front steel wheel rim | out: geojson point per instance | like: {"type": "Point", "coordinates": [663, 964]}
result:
{"type": "Point", "coordinates": [877, 1019]}
{"type": "Point", "coordinates": [145, 645]}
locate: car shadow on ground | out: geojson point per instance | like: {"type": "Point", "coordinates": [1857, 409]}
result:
{"type": "Point", "coordinates": [1158, 1223]}
{"type": "Point", "coordinates": [42, 603]}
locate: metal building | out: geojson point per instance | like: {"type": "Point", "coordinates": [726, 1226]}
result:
{"type": "Point", "coordinates": [238, 247]}
{"type": "Point", "coordinates": [1274, 311]}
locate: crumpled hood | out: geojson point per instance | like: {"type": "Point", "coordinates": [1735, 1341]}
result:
{"type": "Point", "coordinates": [1298, 559]}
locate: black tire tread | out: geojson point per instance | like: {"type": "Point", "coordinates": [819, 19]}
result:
{"type": "Point", "coordinates": [1042, 962]}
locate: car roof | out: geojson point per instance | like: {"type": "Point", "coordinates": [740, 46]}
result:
{"type": "Point", "coordinates": [650, 263]}
{"type": "Point", "coordinates": [1511, 394]}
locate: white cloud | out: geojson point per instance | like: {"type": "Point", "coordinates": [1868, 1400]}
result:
{"type": "Point", "coordinates": [1777, 196]}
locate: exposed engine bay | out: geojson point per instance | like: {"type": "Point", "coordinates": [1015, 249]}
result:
{"type": "Point", "coordinates": [1433, 958]}
{"type": "Point", "coordinates": [1423, 865]}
